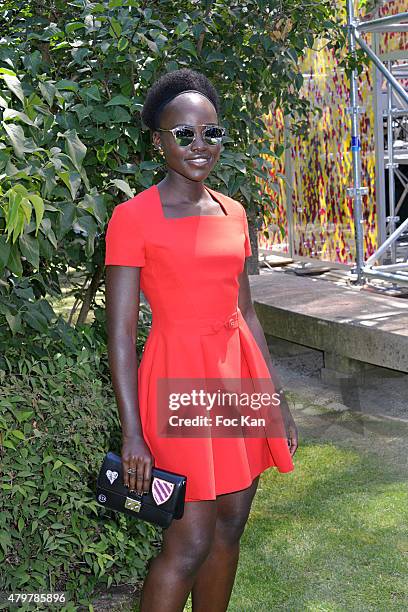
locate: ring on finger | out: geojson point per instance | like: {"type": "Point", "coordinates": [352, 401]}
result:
{"type": "Point", "coordinates": [132, 471]}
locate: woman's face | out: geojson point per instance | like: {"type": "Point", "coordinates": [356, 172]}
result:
{"type": "Point", "coordinates": [193, 109]}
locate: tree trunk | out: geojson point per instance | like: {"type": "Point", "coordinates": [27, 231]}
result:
{"type": "Point", "coordinates": [90, 294]}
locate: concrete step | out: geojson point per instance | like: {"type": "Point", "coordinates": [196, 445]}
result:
{"type": "Point", "coordinates": [343, 321]}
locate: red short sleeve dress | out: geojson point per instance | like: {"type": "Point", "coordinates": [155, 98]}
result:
{"type": "Point", "coordinates": [189, 275]}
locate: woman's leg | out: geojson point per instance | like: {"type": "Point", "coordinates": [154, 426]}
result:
{"type": "Point", "coordinates": [186, 543]}
{"type": "Point", "coordinates": [213, 585]}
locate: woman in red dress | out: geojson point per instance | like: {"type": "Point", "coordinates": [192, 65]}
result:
{"type": "Point", "coordinates": [185, 245]}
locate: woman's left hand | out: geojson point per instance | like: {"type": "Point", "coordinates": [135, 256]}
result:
{"type": "Point", "coordinates": [290, 425]}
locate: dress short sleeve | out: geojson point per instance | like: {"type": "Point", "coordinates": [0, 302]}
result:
{"type": "Point", "coordinates": [248, 250]}
{"type": "Point", "coordinates": [123, 239]}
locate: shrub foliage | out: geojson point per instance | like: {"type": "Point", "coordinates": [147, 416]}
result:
{"type": "Point", "coordinates": [57, 420]}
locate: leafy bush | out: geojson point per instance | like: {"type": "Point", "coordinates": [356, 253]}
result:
{"type": "Point", "coordinates": [73, 78]}
{"type": "Point", "coordinates": [57, 419]}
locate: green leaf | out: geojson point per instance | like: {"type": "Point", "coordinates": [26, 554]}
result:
{"type": "Point", "coordinates": [32, 62]}
{"type": "Point", "coordinates": [47, 458]}
{"type": "Point", "coordinates": [67, 84]}
{"type": "Point", "coordinates": [123, 186]}
{"type": "Point", "coordinates": [82, 111]}
{"type": "Point", "coordinates": [91, 93]}
{"type": "Point", "coordinates": [23, 415]}
{"type": "Point", "coordinates": [215, 56]}
{"type": "Point", "coordinates": [48, 91]}
{"type": "Point", "coordinates": [293, 54]}
{"type": "Point", "coordinates": [299, 80]}
{"type": "Point", "coordinates": [88, 225]}
{"type": "Point", "coordinates": [30, 249]}
{"type": "Point", "coordinates": [279, 149]}
{"type": "Point", "coordinates": [57, 464]}
{"type": "Point", "coordinates": [72, 180]}
{"type": "Point", "coordinates": [73, 26]}
{"type": "Point", "coordinates": [111, 134]}
{"type": "Point", "coordinates": [119, 100]}
{"type": "Point", "coordinates": [116, 29]}
{"type": "Point", "coordinates": [95, 204]}
{"type": "Point", "coordinates": [7, 71]}
{"type": "Point", "coordinates": [73, 467]}
{"type": "Point", "coordinates": [9, 444]}
{"type": "Point", "coordinates": [9, 113]}
{"type": "Point", "coordinates": [14, 323]}
{"type": "Point", "coordinates": [75, 149]}
{"type": "Point", "coordinates": [48, 232]}
{"type": "Point", "coordinates": [181, 28]}
{"type": "Point", "coordinates": [14, 85]}
{"type": "Point", "coordinates": [120, 115]}
{"type": "Point", "coordinates": [4, 251]}
{"type": "Point", "coordinates": [35, 318]}
{"type": "Point", "coordinates": [126, 168]}
{"type": "Point", "coordinates": [66, 220]}
{"type": "Point", "coordinates": [17, 434]}
{"type": "Point", "coordinates": [20, 143]}
{"type": "Point", "coordinates": [12, 211]}
{"type": "Point", "coordinates": [149, 165]}
{"type": "Point", "coordinates": [38, 204]}
{"type": "Point", "coordinates": [152, 45]}
{"type": "Point", "coordinates": [14, 262]}
{"type": "Point", "coordinates": [188, 46]}
{"type": "Point", "coordinates": [26, 208]}
{"type": "Point", "coordinates": [123, 43]}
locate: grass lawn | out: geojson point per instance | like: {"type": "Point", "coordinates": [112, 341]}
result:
{"type": "Point", "coordinates": [332, 535]}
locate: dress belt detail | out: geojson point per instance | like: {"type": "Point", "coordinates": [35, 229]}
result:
{"type": "Point", "coordinates": [205, 326]}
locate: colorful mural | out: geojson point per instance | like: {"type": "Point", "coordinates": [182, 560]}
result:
{"type": "Point", "coordinates": [322, 163]}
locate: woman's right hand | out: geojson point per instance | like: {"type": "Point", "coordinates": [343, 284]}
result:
{"type": "Point", "coordinates": [136, 456]}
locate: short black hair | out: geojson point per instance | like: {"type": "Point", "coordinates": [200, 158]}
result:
{"type": "Point", "coordinates": [171, 84]}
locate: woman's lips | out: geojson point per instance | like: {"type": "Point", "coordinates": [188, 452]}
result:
{"type": "Point", "coordinates": [199, 161]}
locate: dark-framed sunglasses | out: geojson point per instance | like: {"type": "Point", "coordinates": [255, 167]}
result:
{"type": "Point", "coordinates": [185, 134]}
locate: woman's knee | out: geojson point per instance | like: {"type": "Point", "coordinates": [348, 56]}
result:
{"type": "Point", "coordinates": [230, 529]}
{"type": "Point", "coordinates": [188, 555]}
{"type": "Point", "coordinates": [232, 514]}
{"type": "Point", "coordinates": [187, 543]}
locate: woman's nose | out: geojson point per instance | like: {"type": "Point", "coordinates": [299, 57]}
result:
{"type": "Point", "coordinates": [198, 142]}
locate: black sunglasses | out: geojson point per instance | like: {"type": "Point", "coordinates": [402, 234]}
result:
{"type": "Point", "coordinates": [185, 134]}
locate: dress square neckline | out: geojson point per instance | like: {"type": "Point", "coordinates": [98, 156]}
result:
{"type": "Point", "coordinates": [210, 191]}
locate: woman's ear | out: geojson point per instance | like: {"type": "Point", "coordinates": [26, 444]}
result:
{"type": "Point", "coordinates": [156, 140]}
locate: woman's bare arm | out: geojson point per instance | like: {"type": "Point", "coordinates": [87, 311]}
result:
{"type": "Point", "coordinates": [122, 314]}
{"type": "Point", "coordinates": [246, 306]}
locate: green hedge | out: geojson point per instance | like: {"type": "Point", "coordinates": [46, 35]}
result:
{"type": "Point", "coordinates": [58, 417]}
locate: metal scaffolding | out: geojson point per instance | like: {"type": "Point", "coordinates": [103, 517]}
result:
{"type": "Point", "coordinates": [396, 272]}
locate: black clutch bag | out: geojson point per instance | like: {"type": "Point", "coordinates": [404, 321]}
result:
{"type": "Point", "coordinates": [163, 503]}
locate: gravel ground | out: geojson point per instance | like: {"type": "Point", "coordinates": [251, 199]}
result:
{"type": "Point", "coordinates": [369, 414]}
